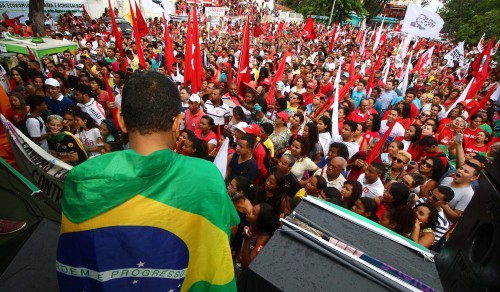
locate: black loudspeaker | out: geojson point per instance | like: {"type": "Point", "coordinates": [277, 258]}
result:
{"type": "Point", "coordinates": [470, 260]}
{"type": "Point", "coordinates": [290, 263]}
{"type": "Point", "coordinates": [34, 266]}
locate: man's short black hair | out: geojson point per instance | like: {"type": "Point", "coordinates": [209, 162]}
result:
{"type": "Point", "coordinates": [428, 141]}
{"type": "Point", "coordinates": [448, 193]}
{"type": "Point", "coordinates": [352, 125]}
{"type": "Point", "coordinates": [84, 89]}
{"type": "Point", "coordinates": [250, 139]}
{"type": "Point", "coordinates": [150, 103]}
{"type": "Point", "coordinates": [268, 128]}
{"type": "Point", "coordinates": [35, 100]}
{"type": "Point", "coordinates": [379, 167]}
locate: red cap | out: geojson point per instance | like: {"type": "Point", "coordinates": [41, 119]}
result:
{"type": "Point", "coordinates": [282, 115]}
{"type": "Point", "coordinates": [250, 84]}
{"type": "Point", "coordinates": [267, 81]}
{"type": "Point", "coordinates": [252, 129]}
{"type": "Point", "coordinates": [311, 85]}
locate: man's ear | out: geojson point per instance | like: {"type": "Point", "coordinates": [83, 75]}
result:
{"type": "Point", "coordinates": [176, 125]}
{"type": "Point", "coordinates": [121, 122]}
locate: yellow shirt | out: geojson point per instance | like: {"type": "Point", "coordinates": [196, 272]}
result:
{"type": "Point", "coordinates": [301, 193]}
{"type": "Point", "coordinates": [269, 144]}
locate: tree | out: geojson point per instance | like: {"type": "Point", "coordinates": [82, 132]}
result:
{"type": "Point", "coordinates": [374, 7]}
{"type": "Point", "coordinates": [469, 19]}
{"type": "Point", "coordinates": [37, 17]}
{"type": "Point", "coordinates": [323, 7]}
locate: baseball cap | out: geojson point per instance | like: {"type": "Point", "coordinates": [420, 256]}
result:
{"type": "Point", "coordinates": [267, 81]}
{"type": "Point", "coordinates": [195, 98]}
{"type": "Point", "coordinates": [280, 85]}
{"type": "Point", "coordinates": [252, 129]}
{"type": "Point", "coordinates": [311, 85]}
{"type": "Point", "coordinates": [282, 115]}
{"type": "Point", "coordinates": [79, 66]}
{"type": "Point", "coordinates": [85, 56]}
{"type": "Point", "coordinates": [52, 82]}
{"type": "Point", "coordinates": [241, 126]}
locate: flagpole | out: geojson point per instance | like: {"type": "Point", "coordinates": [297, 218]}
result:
{"type": "Point", "coordinates": [331, 13]}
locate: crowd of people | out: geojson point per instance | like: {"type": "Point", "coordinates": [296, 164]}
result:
{"type": "Point", "coordinates": [281, 151]}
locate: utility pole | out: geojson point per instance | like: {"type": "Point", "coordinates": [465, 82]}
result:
{"type": "Point", "coordinates": [331, 13]}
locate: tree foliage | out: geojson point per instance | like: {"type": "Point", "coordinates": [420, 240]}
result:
{"type": "Point", "coordinates": [374, 7]}
{"type": "Point", "coordinates": [469, 19]}
{"type": "Point", "coordinates": [323, 7]}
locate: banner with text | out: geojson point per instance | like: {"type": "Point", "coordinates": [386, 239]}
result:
{"type": "Point", "coordinates": [54, 7]}
{"type": "Point", "coordinates": [41, 168]}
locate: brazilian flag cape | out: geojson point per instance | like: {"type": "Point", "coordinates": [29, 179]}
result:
{"type": "Point", "coordinates": [145, 223]}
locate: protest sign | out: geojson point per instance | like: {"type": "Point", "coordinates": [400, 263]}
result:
{"type": "Point", "coordinates": [41, 168]}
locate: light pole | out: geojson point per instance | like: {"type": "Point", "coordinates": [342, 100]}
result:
{"type": "Point", "coordinates": [331, 13]}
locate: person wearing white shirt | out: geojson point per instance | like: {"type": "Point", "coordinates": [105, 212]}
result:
{"type": "Point", "coordinates": [371, 182]}
{"type": "Point", "coordinates": [397, 130]}
{"type": "Point", "coordinates": [333, 172]}
{"type": "Point", "coordinates": [347, 137]}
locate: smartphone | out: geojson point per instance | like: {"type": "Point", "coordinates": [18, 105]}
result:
{"type": "Point", "coordinates": [459, 137]}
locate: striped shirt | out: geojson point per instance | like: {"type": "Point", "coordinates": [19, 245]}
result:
{"type": "Point", "coordinates": [218, 113]}
{"type": "Point", "coordinates": [442, 224]}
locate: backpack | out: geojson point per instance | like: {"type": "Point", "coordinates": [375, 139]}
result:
{"type": "Point", "coordinates": [24, 129]}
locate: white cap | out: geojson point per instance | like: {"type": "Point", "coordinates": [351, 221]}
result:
{"type": "Point", "coordinates": [80, 66]}
{"type": "Point", "coordinates": [195, 98]}
{"type": "Point", "coordinates": [52, 82]}
{"type": "Point", "coordinates": [241, 126]}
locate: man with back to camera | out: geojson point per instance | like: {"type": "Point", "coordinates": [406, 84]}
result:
{"type": "Point", "coordinates": [153, 232]}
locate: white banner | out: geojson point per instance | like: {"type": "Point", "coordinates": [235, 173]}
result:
{"type": "Point", "coordinates": [41, 168]}
{"type": "Point", "coordinates": [215, 11]}
{"type": "Point", "coordinates": [422, 22]}
{"type": "Point", "coordinates": [54, 7]}
{"type": "Point", "coordinates": [457, 54]}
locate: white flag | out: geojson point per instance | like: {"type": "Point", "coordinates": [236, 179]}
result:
{"type": "Point", "coordinates": [480, 45]}
{"type": "Point", "coordinates": [461, 98]}
{"type": "Point", "coordinates": [221, 159]}
{"type": "Point", "coordinates": [457, 54]}
{"type": "Point", "coordinates": [422, 22]}
{"type": "Point", "coordinates": [335, 105]}
{"type": "Point", "coordinates": [404, 84]}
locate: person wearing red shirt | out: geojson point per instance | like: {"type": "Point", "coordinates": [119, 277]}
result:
{"type": "Point", "coordinates": [479, 145]}
{"type": "Point", "coordinates": [325, 87]}
{"type": "Point", "coordinates": [193, 115]}
{"type": "Point", "coordinates": [471, 132]}
{"type": "Point", "coordinates": [362, 113]}
{"type": "Point", "coordinates": [309, 95]}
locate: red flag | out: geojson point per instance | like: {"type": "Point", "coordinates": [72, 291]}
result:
{"type": "Point", "coordinates": [476, 86]}
{"type": "Point", "coordinates": [169, 47]}
{"type": "Point", "coordinates": [376, 150]}
{"type": "Point", "coordinates": [244, 66]}
{"type": "Point", "coordinates": [342, 92]}
{"type": "Point", "coordinates": [308, 31]}
{"type": "Point", "coordinates": [85, 13]}
{"type": "Point", "coordinates": [142, 26]}
{"type": "Point", "coordinates": [482, 103]}
{"type": "Point", "coordinates": [397, 27]}
{"type": "Point", "coordinates": [279, 74]}
{"type": "Point", "coordinates": [138, 38]}
{"type": "Point", "coordinates": [188, 56]}
{"type": "Point", "coordinates": [374, 68]}
{"type": "Point", "coordinates": [197, 73]}
{"type": "Point", "coordinates": [352, 65]}
{"type": "Point", "coordinates": [332, 39]}
{"type": "Point", "coordinates": [118, 37]}
{"type": "Point", "coordinates": [111, 99]}
{"type": "Point", "coordinates": [481, 64]}
{"type": "Point", "coordinates": [32, 57]}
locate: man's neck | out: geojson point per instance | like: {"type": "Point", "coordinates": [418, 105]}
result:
{"type": "Point", "coordinates": [462, 185]}
{"type": "Point", "coordinates": [331, 178]}
{"type": "Point", "coordinates": [147, 144]}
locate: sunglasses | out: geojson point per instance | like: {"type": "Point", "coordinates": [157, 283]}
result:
{"type": "Point", "coordinates": [398, 160]}
{"type": "Point", "coordinates": [426, 164]}
{"type": "Point", "coordinates": [426, 115]}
